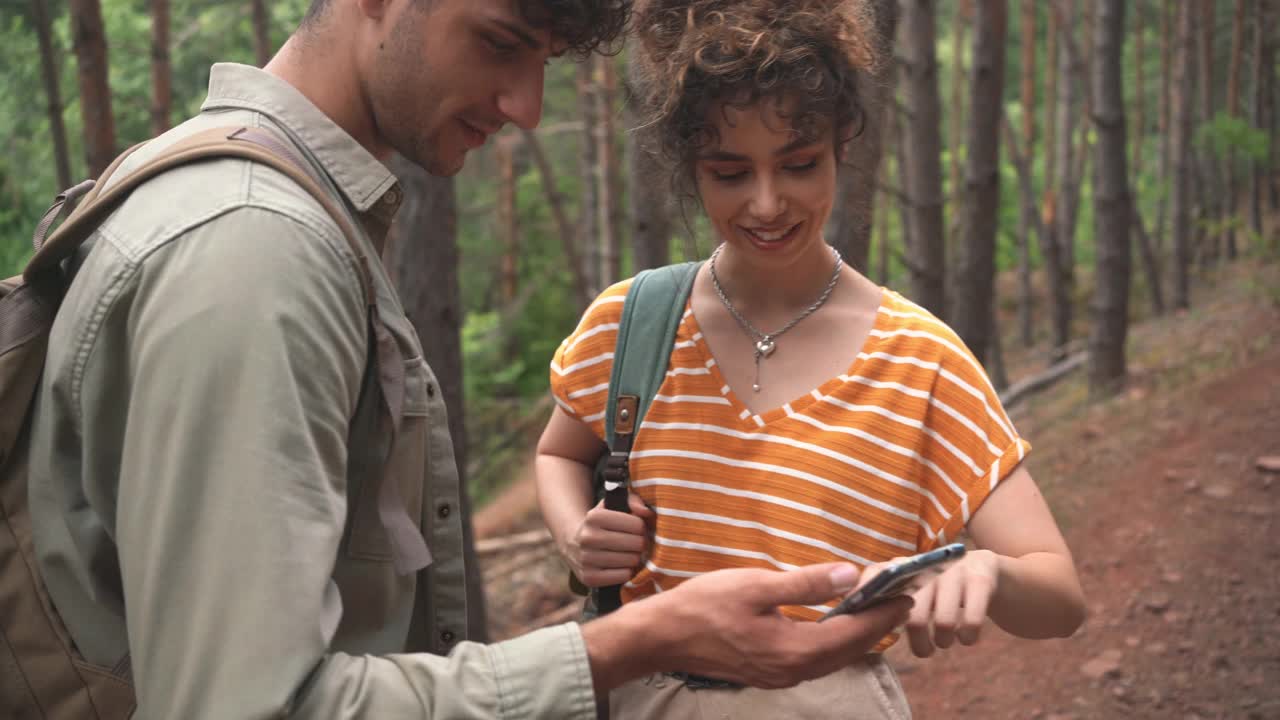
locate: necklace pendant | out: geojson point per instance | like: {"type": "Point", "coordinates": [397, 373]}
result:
{"type": "Point", "coordinates": [766, 347]}
{"type": "Point", "coordinates": [755, 387]}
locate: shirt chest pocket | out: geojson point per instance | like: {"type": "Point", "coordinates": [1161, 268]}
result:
{"type": "Point", "coordinates": [406, 463]}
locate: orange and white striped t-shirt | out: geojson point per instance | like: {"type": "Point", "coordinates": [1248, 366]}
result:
{"type": "Point", "coordinates": [889, 459]}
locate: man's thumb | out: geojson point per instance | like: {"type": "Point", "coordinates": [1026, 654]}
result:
{"type": "Point", "coordinates": [811, 585]}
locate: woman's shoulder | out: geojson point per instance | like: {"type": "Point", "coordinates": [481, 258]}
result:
{"type": "Point", "coordinates": [902, 317]}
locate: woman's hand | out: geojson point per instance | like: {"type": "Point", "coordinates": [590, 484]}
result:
{"type": "Point", "coordinates": [952, 604]}
{"type": "Point", "coordinates": [608, 547]}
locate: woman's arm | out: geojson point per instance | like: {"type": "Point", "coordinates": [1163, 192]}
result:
{"type": "Point", "coordinates": [602, 547]}
{"type": "Point", "coordinates": [1037, 592]}
{"type": "Point", "coordinates": [1021, 576]}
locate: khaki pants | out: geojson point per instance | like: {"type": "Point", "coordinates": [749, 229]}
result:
{"type": "Point", "coordinates": [866, 690]}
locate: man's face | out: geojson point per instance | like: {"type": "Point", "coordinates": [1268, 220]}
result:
{"type": "Point", "coordinates": [450, 73]}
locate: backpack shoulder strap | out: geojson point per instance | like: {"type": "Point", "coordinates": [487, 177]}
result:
{"type": "Point", "coordinates": [651, 313]}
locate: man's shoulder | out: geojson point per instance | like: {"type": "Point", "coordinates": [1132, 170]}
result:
{"type": "Point", "coordinates": [207, 194]}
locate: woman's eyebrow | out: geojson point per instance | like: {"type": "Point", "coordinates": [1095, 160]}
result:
{"type": "Point", "coordinates": [726, 156]}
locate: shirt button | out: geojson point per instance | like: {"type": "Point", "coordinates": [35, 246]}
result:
{"type": "Point", "coordinates": [444, 510]}
{"type": "Point", "coordinates": [446, 637]}
{"type": "Point", "coordinates": [391, 197]}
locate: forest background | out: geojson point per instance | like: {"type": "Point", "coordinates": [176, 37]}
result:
{"type": "Point", "coordinates": [1041, 174]}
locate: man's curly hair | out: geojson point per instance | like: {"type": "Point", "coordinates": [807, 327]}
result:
{"type": "Point", "coordinates": [695, 55]}
{"type": "Point", "coordinates": [584, 26]}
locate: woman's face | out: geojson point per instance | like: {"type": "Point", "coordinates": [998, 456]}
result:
{"type": "Point", "coordinates": [767, 190]}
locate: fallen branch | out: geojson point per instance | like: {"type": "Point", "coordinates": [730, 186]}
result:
{"type": "Point", "coordinates": [511, 565]}
{"type": "Point", "coordinates": [513, 542]}
{"type": "Point", "coordinates": [1036, 383]}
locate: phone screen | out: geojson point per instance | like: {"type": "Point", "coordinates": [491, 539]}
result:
{"type": "Point", "coordinates": [893, 580]}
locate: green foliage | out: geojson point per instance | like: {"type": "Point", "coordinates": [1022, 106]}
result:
{"type": "Point", "coordinates": [1230, 137]}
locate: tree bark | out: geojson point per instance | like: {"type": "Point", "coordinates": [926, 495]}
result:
{"type": "Point", "coordinates": [608, 193]}
{"type": "Point", "coordinates": [508, 221]}
{"type": "Point", "coordinates": [849, 228]}
{"type": "Point", "coordinates": [1210, 201]}
{"type": "Point", "coordinates": [1233, 109]}
{"type": "Point", "coordinates": [90, 43]}
{"type": "Point", "coordinates": [923, 146]}
{"type": "Point", "coordinates": [1067, 181]}
{"type": "Point", "coordinates": [648, 191]}
{"type": "Point", "coordinates": [1166, 22]}
{"type": "Point", "coordinates": [422, 259]}
{"type": "Point", "coordinates": [1026, 216]}
{"type": "Point", "coordinates": [972, 313]}
{"type": "Point", "coordinates": [1180, 200]}
{"type": "Point", "coordinates": [1052, 265]}
{"type": "Point", "coordinates": [588, 226]}
{"type": "Point", "coordinates": [954, 190]}
{"type": "Point", "coordinates": [1260, 71]}
{"type": "Point", "coordinates": [161, 70]}
{"type": "Point", "coordinates": [1112, 214]}
{"type": "Point", "coordinates": [1139, 94]}
{"type": "Point", "coordinates": [261, 32]}
{"type": "Point", "coordinates": [53, 94]}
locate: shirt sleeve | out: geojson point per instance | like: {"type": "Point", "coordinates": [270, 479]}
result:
{"type": "Point", "coordinates": [971, 444]}
{"type": "Point", "coordinates": [247, 350]}
{"type": "Point", "coordinates": [583, 363]}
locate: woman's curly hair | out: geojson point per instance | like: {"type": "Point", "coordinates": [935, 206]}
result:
{"type": "Point", "coordinates": [694, 55]}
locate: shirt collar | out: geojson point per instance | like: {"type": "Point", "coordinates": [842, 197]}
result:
{"type": "Point", "coordinates": [365, 181]}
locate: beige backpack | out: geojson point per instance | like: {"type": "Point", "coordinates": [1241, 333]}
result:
{"type": "Point", "coordinates": [42, 675]}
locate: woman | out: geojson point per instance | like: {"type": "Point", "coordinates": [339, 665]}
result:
{"type": "Point", "coordinates": [807, 415]}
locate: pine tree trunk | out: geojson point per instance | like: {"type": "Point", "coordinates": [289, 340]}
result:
{"type": "Point", "coordinates": [422, 259]}
{"type": "Point", "coordinates": [1139, 95]}
{"type": "Point", "coordinates": [849, 227]}
{"type": "Point", "coordinates": [261, 32]}
{"type": "Point", "coordinates": [972, 313]}
{"type": "Point", "coordinates": [161, 71]}
{"type": "Point", "coordinates": [90, 43]}
{"type": "Point", "coordinates": [954, 190]}
{"type": "Point", "coordinates": [1026, 216]}
{"type": "Point", "coordinates": [1180, 201]}
{"type": "Point", "coordinates": [1210, 200]}
{"type": "Point", "coordinates": [1233, 109]}
{"type": "Point", "coordinates": [1067, 180]}
{"type": "Point", "coordinates": [1256, 174]}
{"type": "Point", "coordinates": [1167, 13]}
{"type": "Point", "coordinates": [1112, 220]}
{"type": "Point", "coordinates": [648, 191]}
{"type": "Point", "coordinates": [588, 232]}
{"type": "Point", "coordinates": [53, 94]}
{"type": "Point", "coordinates": [926, 249]}
{"type": "Point", "coordinates": [608, 193]}
{"type": "Point", "coordinates": [508, 221]}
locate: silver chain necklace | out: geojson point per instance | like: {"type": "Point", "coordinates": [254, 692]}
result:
{"type": "Point", "coordinates": [766, 343]}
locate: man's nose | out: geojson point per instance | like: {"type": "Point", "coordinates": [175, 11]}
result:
{"type": "Point", "coordinates": [521, 101]}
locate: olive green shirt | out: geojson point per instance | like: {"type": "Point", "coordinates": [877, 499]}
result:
{"type": "Point", "coordinates": [206, 452]}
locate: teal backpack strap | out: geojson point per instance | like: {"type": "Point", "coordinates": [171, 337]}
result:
{"type": "Point", "coordinates": [651, 313]}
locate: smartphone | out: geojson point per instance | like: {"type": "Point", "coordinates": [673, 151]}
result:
{"type": "Point", "coordinates": [895, 579]}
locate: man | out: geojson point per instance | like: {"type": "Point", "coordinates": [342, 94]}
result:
{"type": "Point", "coordinates": [209, 450]}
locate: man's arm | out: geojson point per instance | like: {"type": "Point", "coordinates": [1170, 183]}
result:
{"type": "Point", "coordinates": [247, 349]}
